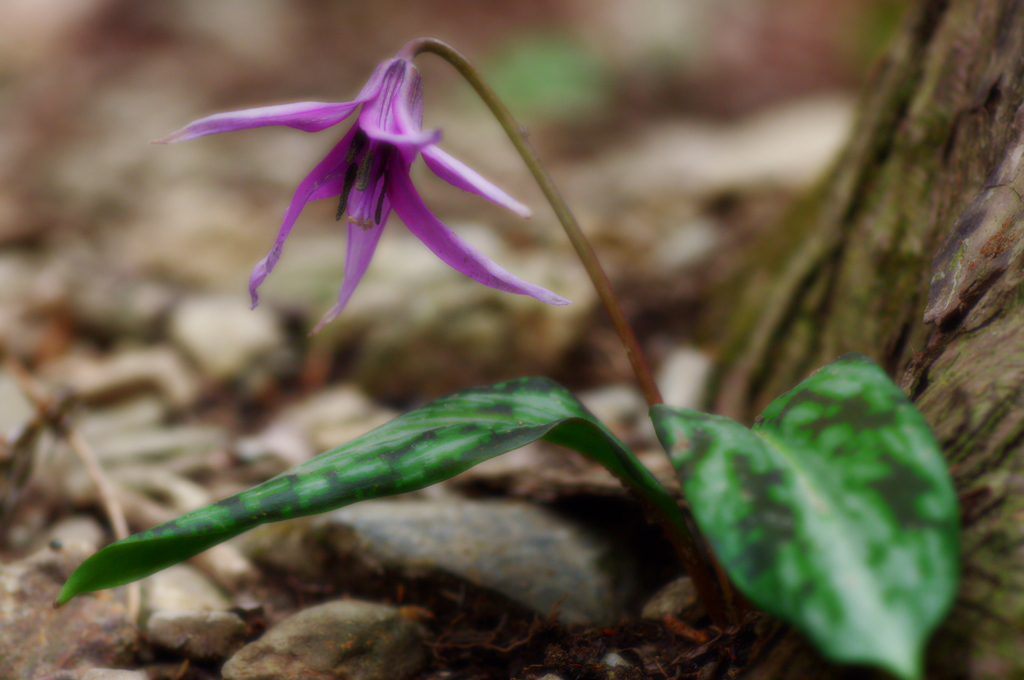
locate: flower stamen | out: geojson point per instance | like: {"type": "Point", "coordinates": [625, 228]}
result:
{"type": "Point", "coordinates": [350, 180]}
{"type": "Point", "coordinates": [380, 201]}
{"type": "Point", "coordinates": [359, 141]}
{"type": "Point", "coordinates": [365, 165]}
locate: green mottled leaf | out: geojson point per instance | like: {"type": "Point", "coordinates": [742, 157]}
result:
{"type": "Point", "coordinates": [420, 448]}
{"type": "Point", "coordinates": [835, 513]}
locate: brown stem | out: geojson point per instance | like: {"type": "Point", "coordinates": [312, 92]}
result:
{"type": "Point", "coordinates": [583, 248]}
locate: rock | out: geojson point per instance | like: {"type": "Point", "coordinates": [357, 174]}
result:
{"type": "Point", "coordinates": [342, 639]}
{"type": "Point", "coordinates": [82, 533]}
{"type": "Point", "coordinates": [182, 588]}
{"type": "Point", "coordinates": [227, 566]}
{"type": "Point", "coordinates": [37, 640]}
{"type": "Point", "coordinates": [613, 660]}
{"type": "Point", "coordinates": [113, 674]}
{"type": "Point", "coordinates": [618, 406]}
{"type": "Point", "coordinates": [788, 145]}
{"type": "Point", "coordinates": [330, 418]}
{"type": "Point", "coordinates": [118, 305]}
{"type": "Point", "coordinates": [223, 335]}
{"type": "Point", "coordinates": [15, 409]}
{"type": "Point", "coordinates": [683, 378]}
{"type": "Point", "coordinates": [412, 313]}
{"type": "Point", "coordinates": [524, 552]}
{"type": "Point", "coordinates": [674, 598]}
{"type": "Point", "coordinates": [336, 416]}
{"type": "Point", "coordinates": [200, 636]}
{"type": "Point", "coordinates": [160, 443]}
{"type": "Point", "coordinates": [131, 415]}
{"type": "Point", "coordinates": [158, 368]}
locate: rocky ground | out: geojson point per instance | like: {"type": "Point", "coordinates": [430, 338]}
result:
{"type": "Point", "coordinates": [122, 291]}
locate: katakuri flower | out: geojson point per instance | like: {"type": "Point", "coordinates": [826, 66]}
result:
{"type": "Point", "coordinates": [369, 170]}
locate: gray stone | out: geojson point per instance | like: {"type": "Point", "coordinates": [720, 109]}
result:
{"type": "Point", "coordinates": [614, 660]}
{"type": "Point", "coordinates": [37, 640]}
{"type": "Point", "coordinates": [674, 598]}
{"type": "Point", "coordinates": [200, 636]}
{"type": "Point", "coordinates": [332, 417]}
{"type": "Point", "coordinates": [618, 406]}
{"type": "Point", "coordinates": [522, 551]}
{"type": "Point", "coordinates": [120, 305]}
{"type": "Point", "coordinates": [80, 532]}
{"type": "Point", "coordinates": [161, 443]}
{"type": "Point", "coordinates": [15, 409]}
{"type": "Point", "coordinates": [128, 371]}
{"type": "Point", "coordinates": [341, 639]}
{"type": "Point", "coordinates": [113, 674]}
{"type": "Point", "coordinates": [683, 377]}
{"type": "Point", "coordinates": [223, 335]}
{"type": "Point", "coordinates": [182, 588]}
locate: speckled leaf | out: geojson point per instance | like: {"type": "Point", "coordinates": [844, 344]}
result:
{"type": "Point", "coordinates": [420, 448]}
{"type": "Point", "coordinates": [835, 513]}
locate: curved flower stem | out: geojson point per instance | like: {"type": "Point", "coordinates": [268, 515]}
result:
{"type": "Point", "coordinates": [583, 248]}
{"type": "Point", "coordinates": [721, 610]}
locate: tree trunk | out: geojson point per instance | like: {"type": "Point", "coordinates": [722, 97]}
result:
{"type": "Point", "coordinates": [921, 219]}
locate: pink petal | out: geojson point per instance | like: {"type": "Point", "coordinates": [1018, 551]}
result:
{"type": "Point", "coordinates": [325, 180]}
{"type": "Point", "coordinates": [395, 116]}
{"type": "Point", "coordinates": [460, 175]}
{"type": "Point", "coordinates": [308, 116]}
{"type": "Point", "coordinates": [452, 250]}
{"type": "Point", "coordinates": [361, 244]}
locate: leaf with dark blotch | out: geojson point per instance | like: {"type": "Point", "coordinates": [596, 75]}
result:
{"type": "Point", "coordinates": [835, 513]}
{"type": "Point", "coordinates": [420, 448]}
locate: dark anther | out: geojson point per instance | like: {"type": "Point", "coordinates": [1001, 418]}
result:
{"type": "Point", "coordinates": [385, 152]}
{"type": "Point", "coordinates": [358, 143]}
{"type": "Point", "coordinates": [380, 201]}
{"type": "Point", "coordinates": [350, 179]}
{"type": "Point", "coordinates": [365, 165]}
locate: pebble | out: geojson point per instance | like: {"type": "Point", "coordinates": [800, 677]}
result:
{"type": "Point", "coordinates": [619, 406]}
{"type": "Point", "coordinates": [525, 552]}
{"type": "Point", "coordinates": [330, 418]}
{"type": "Point", "coordinates": [200, 635]}
{"type": "Point", "coordinates": [15, 409]}
{"type": "Point", "coordinates": [673, 598]}
{"type": "Point", "coordinates": [223, 335]}
{"type": "Point", "coordinates": [128, 371]}
{"type": "Point", "coordinates": [113, 674]}
{"type": "Point", "coordinates": [37, 640]}
{"type": "Point", "coordinates": [182, 588]}
{"type": "Point", "coordinates": [346, 639]}
{"type": "Point", "coordinates": [80, 532]}
{"type": "Point", "coordinates": [683, 378]}
{"type": "Point", "coordinates": [613, 660]}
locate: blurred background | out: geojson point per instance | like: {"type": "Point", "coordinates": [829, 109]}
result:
{"type": "Point", "coordinates": [679, 130]}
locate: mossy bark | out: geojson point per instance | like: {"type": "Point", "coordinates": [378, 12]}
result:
{"type": "Point", "coordinates": [926, 196]}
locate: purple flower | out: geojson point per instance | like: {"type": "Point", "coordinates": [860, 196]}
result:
{"type": "Point", "coordinates": [369, 170]}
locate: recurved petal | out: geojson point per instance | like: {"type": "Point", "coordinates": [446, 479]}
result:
{"type": "Point", "coordinates": [308, 116]}
{"type": "Point", "coordinates": [325, 180]}
{"type": "Point", "coordinates": [361, 244]}
{"type": "Point", "coordinates": [452, 250]}
{"type": "Point", "coordinates": [460, 175]}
